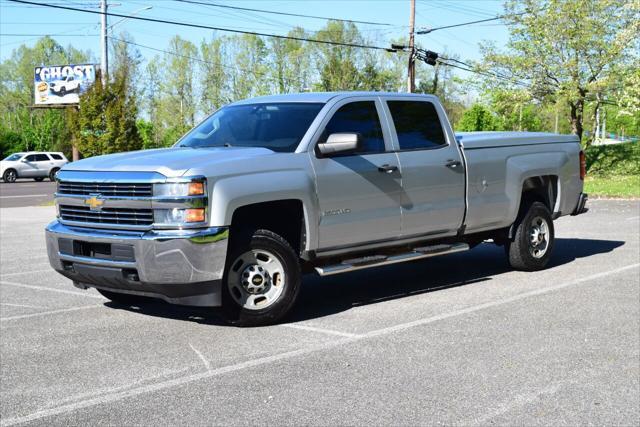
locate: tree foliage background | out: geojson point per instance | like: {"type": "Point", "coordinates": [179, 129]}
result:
{"type": "Point", "coordinates": [569, 66]}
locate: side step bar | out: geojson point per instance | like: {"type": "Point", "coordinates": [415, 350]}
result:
{"type": "Point", "coordinates": [380, 260]}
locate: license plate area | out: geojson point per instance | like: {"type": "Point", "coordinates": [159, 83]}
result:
{"type": "Point", "coordinates": [96, 250]}
{"type": "Point", "coordinates": [92, 249]}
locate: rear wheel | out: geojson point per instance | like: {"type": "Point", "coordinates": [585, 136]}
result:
{"type": "Point", "coordinates": [123, 299]}
{"type": "Point", "coordinates": [534, 238]}
{"type": "Point", "coordinates": [39, 179]}
{"type": "Point", "coordinates": [52, 174]}
{"type": "Point", "coordinates": [262, 280]}
{"type": "Point", "coordinates": [10, 175]}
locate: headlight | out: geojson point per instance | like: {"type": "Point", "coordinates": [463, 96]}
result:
{"type": "Point", "coordinates": [179, 216]}
{"type": "Point", "coordinates": [178, 189]}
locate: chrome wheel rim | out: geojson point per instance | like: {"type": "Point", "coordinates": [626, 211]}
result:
{"type": "Point", "coordinates": [10, 176]}
{"type": "Point", "coordinates": [538, 237]}
{"type": "Point", "coordinates": [256, 279]}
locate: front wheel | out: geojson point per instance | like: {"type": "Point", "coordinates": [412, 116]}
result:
{"type": "Point", "coordinates": [533, 241]}
{"type": "Point", "coordinates": [10, 176]}
{"type": "Point", "coordinates": [262, 280]}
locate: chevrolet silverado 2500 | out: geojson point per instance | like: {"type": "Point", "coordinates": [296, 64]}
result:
{"type": "Point", "coordinates": [266, 189]}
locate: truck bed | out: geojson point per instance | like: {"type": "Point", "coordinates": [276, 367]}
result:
{"type": "Point", "coordinates": [479, 140]}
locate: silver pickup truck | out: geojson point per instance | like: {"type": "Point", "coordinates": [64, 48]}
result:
{"type": "Point", "coordinates": [267, 189]}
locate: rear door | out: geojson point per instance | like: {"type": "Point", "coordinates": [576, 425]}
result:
{"type": "Point", "coordinates": [358, 193]}
{"type": "Point", "coordinates": [43, 165]}
{"type": "Point", "coordinates": [433, 176]}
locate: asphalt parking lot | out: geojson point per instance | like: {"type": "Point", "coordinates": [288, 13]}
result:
{"type": "Point", "coordinates": [459, 339]}
{"type": "Point", "coordinates": [26, 192]}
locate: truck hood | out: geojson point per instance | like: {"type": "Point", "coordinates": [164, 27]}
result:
{"type": "Point", "coordinates": [170, 162]}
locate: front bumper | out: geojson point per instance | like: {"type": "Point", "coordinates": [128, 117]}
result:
{"type": "Point", "coordinates": [178, 266]}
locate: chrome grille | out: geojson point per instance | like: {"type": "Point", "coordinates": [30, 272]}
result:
{"type": "Point", "coordinates": [107, 215]}
{"type": "Point", "coordinates": [106, 189]}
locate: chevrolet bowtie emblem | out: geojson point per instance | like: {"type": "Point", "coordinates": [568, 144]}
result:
{"type": "Point", "coordinates": [94, 202]}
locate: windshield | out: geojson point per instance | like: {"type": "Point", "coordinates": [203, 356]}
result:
{"type": "Point", "coordinates": [278, 126]}
{"type": "Point", "coordinates": [14, 157]}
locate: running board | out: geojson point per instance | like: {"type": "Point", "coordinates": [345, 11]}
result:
{"type": "Point", "coordinates": [380, 260]}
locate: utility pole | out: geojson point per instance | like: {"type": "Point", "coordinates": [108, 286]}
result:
{"type": "Point", "coordinates": [104, 60]}
{"type": "Point", "coordinates": [411, 72]}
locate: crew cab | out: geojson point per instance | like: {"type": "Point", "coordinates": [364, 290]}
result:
{"type": "Point", "coordinates": [266, 189]}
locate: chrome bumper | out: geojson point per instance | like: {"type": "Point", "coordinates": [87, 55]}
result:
{"type": "Point", "coordinates": [179, 266]}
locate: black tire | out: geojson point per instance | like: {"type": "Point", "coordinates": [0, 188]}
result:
{"type": "Point", "coordinates": [63, 91]}
{"type": "Point", "coordinates": [526, 252]}
{"type": "Point", "coordinates": [10, 176]}
{"type": "Point", "coordinates": [274, 244]}
{"type": "Point", "coordinates": [123, 299]}
{"type": "Point", "coordinates": [52, 174]}
{"type": "Point", "coordinates": [39, 179]}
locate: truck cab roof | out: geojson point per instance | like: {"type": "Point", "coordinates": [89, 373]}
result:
{"type": "Point", "coordinates": [324, 97]}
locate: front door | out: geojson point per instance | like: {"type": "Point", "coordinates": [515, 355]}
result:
{"type": "Point", "coordinates": [433, 176]}
{"type": "Point", "coordinates": [359, 193]}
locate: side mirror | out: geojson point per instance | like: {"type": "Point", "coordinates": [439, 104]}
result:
{"type": "Point", "coordinates": [24, 160]}
{"type": "Point", "coordinates": [339, 143]}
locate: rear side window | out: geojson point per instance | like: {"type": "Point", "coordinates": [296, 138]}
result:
{"type": "Point", "coordinates": [417, 125]}
{"type": "Point", "coordinates": [362, 118]}
{"type": "Point", "coordinates": [56, 156]}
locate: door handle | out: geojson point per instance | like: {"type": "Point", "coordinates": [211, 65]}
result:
{"type": "Point", "coordinates": [453, 164]}
{"type": "Point", "coordinates": [387, 168]}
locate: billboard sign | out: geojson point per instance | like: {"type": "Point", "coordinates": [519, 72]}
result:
{"type": "Point", "coordinates": [62, 84]}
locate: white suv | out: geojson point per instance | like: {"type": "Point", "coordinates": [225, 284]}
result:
{"type": "Point", "coordinates": [36, 165]}
{"type": "Point", "coordinates": [63, 87]}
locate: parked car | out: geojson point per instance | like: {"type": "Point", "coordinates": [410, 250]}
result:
{"type": "Point", "coordinates": [68, 85]}
{"type": "Point", "coordinates": [268, 188]}
{"type": "Point", "coordinates": [33, 164]}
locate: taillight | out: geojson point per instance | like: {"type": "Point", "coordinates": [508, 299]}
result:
{"type": "Point", "coordinates": [583, 165]}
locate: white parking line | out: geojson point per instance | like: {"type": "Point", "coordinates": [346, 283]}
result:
{"type": "Point", "coordinates": [25, 195]}
{"type": "Point", "coordinates": [17, 273]}
{"type": "Point", "coordinates": [22, 305]}
{"type": "Point", "coordinates": [162, 385]}
{"type": "Point", "coordinates": [47, 313]}
{"type": "Point", "coordinates": [321, 330]}
{"type": "Point", "coordinates": [45, 288]}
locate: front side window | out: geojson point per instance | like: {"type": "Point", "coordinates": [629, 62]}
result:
{"type": "Point", "coordinates": [358, 117]}
{"type": "Point", "coordinates": [31, 158]}
{"type": "Point", "coordinates": [277, 126]}
{"type": "Point", "coordinates": [417, 125]}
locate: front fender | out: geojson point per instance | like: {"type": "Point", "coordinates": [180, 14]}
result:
{"type": "Point", "coordinates": [231, 193]}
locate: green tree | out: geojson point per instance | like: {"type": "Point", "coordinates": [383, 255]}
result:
{"type": "Point", "coordinates": [566, 49]}
{"type": "Point", "coordinates": [106, 120]}
{"type": "Point", "coordinates": [338, 65]}
{"type": "Point", "coordinates": [214, 80]}
{"type": "Point", "coordinates": [477, 118]}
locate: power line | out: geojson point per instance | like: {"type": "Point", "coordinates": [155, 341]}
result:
{"type": "Point", "coordinates": [495, 18]}
{"type": "Point", "coordinates": [281, 13]}
{"type": "Point", "coordinates": [206, 27]}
